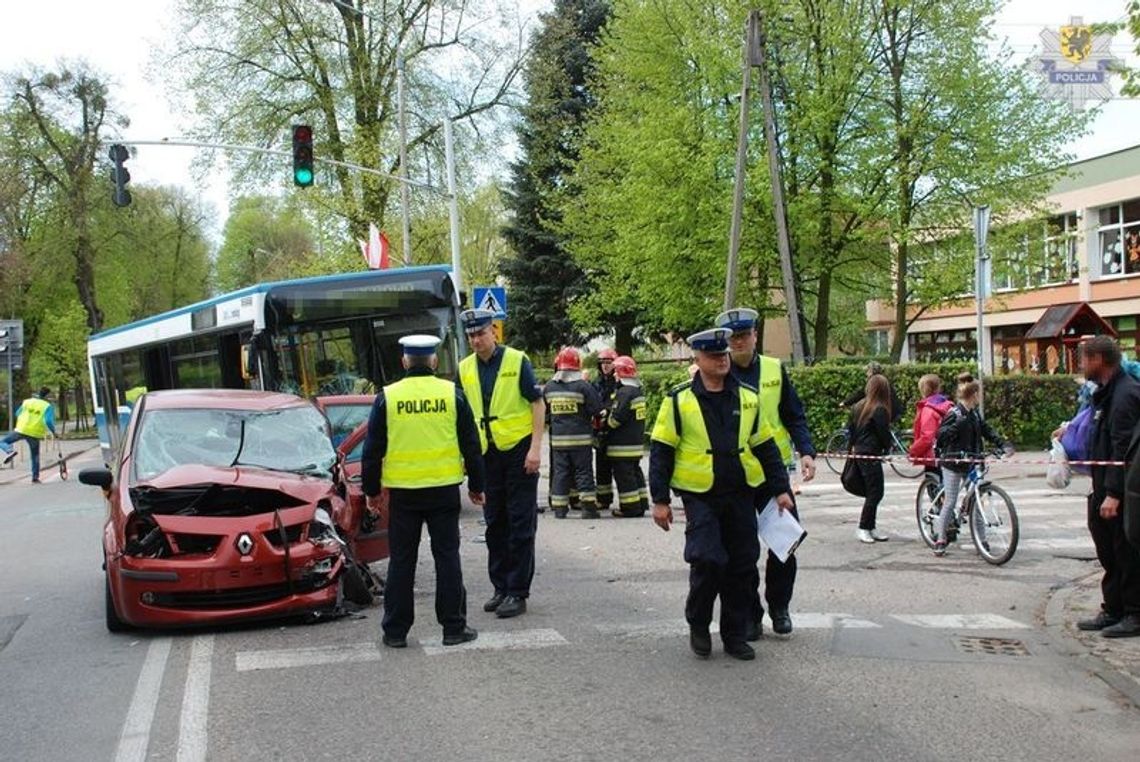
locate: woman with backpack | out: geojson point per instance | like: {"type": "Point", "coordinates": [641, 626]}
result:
{"type": "Point", "coordinates": [929, 412]}
{"type": "Point", "coordinates": [871, 435]}
{"type": "Point", "coordinates": [961, 435]}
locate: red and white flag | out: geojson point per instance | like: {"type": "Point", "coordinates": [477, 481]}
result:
{"type": "Point", "coordinates": [375, 249]}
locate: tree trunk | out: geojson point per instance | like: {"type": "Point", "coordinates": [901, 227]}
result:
{"type": "Point", "coordinates": [623, 336]}
{"type": "Point", "coordinates": [85, 259]}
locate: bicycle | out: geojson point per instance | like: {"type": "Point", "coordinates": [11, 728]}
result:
{"type": "Point", "coordinates": [900, 446]}
{"type": "Point", "coordinates": [985, 507]}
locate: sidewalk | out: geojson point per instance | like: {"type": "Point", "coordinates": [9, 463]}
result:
{"type": "Point", "coordinates": [19, 470]}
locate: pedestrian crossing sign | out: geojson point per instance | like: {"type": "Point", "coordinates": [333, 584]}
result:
{"type": "Point", "coordinates": [492, 298]}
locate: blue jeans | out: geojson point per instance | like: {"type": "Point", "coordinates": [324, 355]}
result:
{"type": "Point", "coordinates": [33, 445]}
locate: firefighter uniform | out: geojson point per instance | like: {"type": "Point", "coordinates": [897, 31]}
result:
{"type": "Point", "coordinates": [572, 403]}
{"type": "Point", "coordinates": [606, 385]}
{"type": "Point", "coordinates": [625, 444]}
{"type": "Point", "coordinates": [421, 437]}
{"type": "Point", "coordinates": [714, 450]}
{"type": "Point", "coordinates": [501, 390]}
{"type": "Point", "coordinates": [783, 412]}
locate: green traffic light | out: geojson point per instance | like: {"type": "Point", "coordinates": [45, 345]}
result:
{"type": "Point", "coordinates": [303, 176]}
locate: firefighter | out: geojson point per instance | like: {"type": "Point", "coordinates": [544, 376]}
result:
{"type": "Point", "coordinates": [606, 385]}
{"type": "Point", "coordinates": [500, 385]}
{"type": "Point", "coordinates": [625, 440]}
{"type": "Point", "coordinates": [712, 447]}
{"type": "Point", "coordinates": [784, 414]}
{"type": "Point", "coordinates": [573, 402]}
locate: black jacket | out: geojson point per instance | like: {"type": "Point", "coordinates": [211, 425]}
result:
{"type": "Point", "coordinates": [626, 421]}
{"type": "Point", "coordinates": [896, 404]}
{"type": "Point", "coordinates": [872, 436]}
{"type": "Point", "coordinates": [572, 406]}
{"type": "Point", "coordinates": [968, 433]}
{"type": "Point", "coordinates": [1116, 411]}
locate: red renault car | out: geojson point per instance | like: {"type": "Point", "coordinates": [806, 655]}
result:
{"type": "Point", "coordinates": [225, 505]}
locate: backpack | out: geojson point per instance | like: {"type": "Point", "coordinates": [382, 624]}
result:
{"type": "Point", "coordinates": [946, 440]}
{"type": "Point", "coordinates": [1078, 437]}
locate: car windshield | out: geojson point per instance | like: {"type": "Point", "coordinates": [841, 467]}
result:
{"type": "Point", "coordinates": [288, 439]}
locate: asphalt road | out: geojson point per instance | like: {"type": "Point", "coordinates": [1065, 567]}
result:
{"type": "Point", "coordinates": [888, 660]}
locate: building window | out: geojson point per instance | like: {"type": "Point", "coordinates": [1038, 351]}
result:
{"type": "Point", "coordinates": [1061, 262]}
{"type": "Point", "coordinates": [1128, 334]}
{"type": "Point", "coordinates": [942, 346]}
{"type": "Point", "coordinates": [1119, 239]}
{"type": "Point", "coordinates": [880, 341]}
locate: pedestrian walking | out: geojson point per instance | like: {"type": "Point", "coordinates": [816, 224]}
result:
{"type": "Point", "coordinates": [572, 403]}
{"type": "Point", "coordinates": [875, 369]}
{"type": "Point", "coordinates": [421, 437]}
{"type": "Point", "coordinates": [1116, 405]}
{"type": "Point", "coordinates": [606, 385]}
{"type": "Point", "coordinates": [711, 446]}
{"type": "Point", "coordinates": [783, 412]}
{"type": "Point", "coordinates": [961, 435]}
{"type": "Point", "coordinates": [500, 385]}
{"type": "Point", "coordinates": [624, 435]}
{"type": "Point", "coordinates": [35, 421]}
{"type": "Point", "coordinates": [871, 436]}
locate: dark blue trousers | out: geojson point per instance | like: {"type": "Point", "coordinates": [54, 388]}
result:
{"type": "Point", "coordinates": [779, 577]}
{"type": "Point", "coordinates": [721, 549]}
{"type": "Point", "coordinates": [409, 511]}
{"type": "Point", "coordinates": [512, 519]}
{"type": "Point", "coordinates": [33, 449]}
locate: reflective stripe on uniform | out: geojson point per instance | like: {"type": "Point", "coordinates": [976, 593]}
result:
{"type": "Point", "coordinates": [629, 497]}
{"type": "Point", "coordinates": [562, 441]}
{"type": "Point", "coordinates": [625, 451]}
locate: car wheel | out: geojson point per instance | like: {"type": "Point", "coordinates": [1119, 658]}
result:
{"type": "Point", "coordinates": [114, 624]}
{"type": "Point", "coordinates": [355, 586]}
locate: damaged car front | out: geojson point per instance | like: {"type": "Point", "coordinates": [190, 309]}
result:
{"type": "Point", "coordinates": [225, 508]}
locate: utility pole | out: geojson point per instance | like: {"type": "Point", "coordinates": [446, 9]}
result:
{"type": "Point", "coordinates": [783, 241]}
{"type": "Point", "coordinates": [741, 166]}
{"type": "Point", "coordinates": [981, 231]}
{"type": "Point", "coordinates": [405, 214]}
{"type": "Point", "coordinates": [452, 202]}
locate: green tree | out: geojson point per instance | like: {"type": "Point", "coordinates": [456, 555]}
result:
{"type": "Point", "coordinates": [263, 240]}
{"type": "Point", "coordinates": [252, 67]}
{"type": "Point", "coordinates": [543, 277]}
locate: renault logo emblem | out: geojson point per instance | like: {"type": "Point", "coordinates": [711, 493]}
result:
{"type": "Point", "coordinates": [244, 544]}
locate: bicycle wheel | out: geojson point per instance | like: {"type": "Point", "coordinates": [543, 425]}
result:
{"type": "Point", "coordinates": [899, 462]}
{"type": "Point", "coordinates": [927, 504]}
{"type": "Point", "coordinates": [993, 524]}
{"type": "Point", "coordinates": [837, 445]}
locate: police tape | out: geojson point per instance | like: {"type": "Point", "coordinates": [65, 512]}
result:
{"type": "Point", "coordinates": [968, 461]}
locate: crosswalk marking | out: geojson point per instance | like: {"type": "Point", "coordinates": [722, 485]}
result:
{"type": "Point", "coordinates": [284, 658]}
{"type": "Point", "coordinates": [961, 621]}
{"type": "Point", "coordinates": [516, 640]}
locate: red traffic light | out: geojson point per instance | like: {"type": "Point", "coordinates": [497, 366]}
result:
{"type": "Point", "coordinates": [303, 133]}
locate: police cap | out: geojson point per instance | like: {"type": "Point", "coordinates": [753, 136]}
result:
{"type": "Point", "coordinates": [737, 319]}
{"type": "Point", "coordinates": [419, 344]}
{"type": "Point", "coordinates": [713, 341]}
{"type": "Point", "coordinates": [476, 320]}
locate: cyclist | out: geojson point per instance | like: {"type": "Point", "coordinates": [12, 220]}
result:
{"type": "Point", "coordinates": [960, 436]}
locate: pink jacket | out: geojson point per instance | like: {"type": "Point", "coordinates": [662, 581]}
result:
{"type": "Point", "coordinates": [927, 418]}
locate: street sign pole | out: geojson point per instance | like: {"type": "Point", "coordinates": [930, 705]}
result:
{"type": "Point", "coordinates": [981, 230]}
{"type": "Point", "coordinates": [8, 360]}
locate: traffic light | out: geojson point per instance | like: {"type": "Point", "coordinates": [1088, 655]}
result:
{"type": "Point", "coordinates": [302, 155]}
{"type": "Point", "coordinates": [119, 175]}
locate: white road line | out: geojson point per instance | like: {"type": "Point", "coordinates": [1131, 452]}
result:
{"type": "Point", "coordinates": [813, 621]}
{"type": "Point", "coordinates": [193, 730]}
{"type": "Point", "coordinates": [961, 621]}
{"type": "Point", "coordinates": [135, 736]}
{"type": "Point", "coordinates": [500, 641]}
{"type": "Point", "coordinates": [284, 658]}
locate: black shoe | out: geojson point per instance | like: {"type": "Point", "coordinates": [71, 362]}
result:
{"type": "Point", "coordinates": [395, 641]}
{"type": "Point", "coordinates": [741, 651]}
{"type": "Point", "coordinates": [494, 602]}
{"type": "Point", "coordinates": [700, 641]}
{"type": "Point", "coordinates": [466, 636]}
{"type": "Point", "coordinates": [1127, 627]}
{"type": "Point", "coordinates": [755, 631]}
{"type": "Point", "coordinates": [1102, 620]}
{"type": "Point", "coordinates": [561, 513]}
{"type": "Point", "coordinates": [511, 606]}
{"type": "Point", "coordinates": [781, 622]}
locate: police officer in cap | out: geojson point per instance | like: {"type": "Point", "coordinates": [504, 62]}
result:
{"type": "Point", "coordinates": [500, 384]}
{"type": "Point", "coordinates": [783, 412]}
{"type": "Point", "coordinates": [710, 444]}
{"type": "Point", "coordinates": [421, 436]}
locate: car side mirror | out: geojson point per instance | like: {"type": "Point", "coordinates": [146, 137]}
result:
{"type": "Point", "coordinates": [96, 477]}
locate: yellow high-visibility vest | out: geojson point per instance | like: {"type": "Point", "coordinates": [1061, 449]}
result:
{"type": "Point", "coordinates": [693, 465]}
{"type": "Point", "coordinates": [509, 418]}
{"type": "Point", "coordinates": [771, 387]}
{"type": "Point", "coordinates": [31, 421]}
{"type": "Point", "coordinates": [423, 438]}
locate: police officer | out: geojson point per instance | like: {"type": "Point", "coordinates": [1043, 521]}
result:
{"type": "Point", "coordinates": [421, 435]}
{"type": "Point", "coordinates": [625, 440]}
{"type": "Point", "coordinates": [711, 445]}
{"type": "Point", "coordinates": [35, 417]}
{"type": "Point", "coordinates": [499, 383]}
{"type": "Point", "coordinates": [573, 403]}
{"type": "Point", "coordinates": [607, 385]}
{"type": "Point", "coordinates": [784, 414]}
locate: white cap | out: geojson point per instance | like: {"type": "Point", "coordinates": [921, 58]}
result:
{"type": "Point", "coordinates": [420, 344]}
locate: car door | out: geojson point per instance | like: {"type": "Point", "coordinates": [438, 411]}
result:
{"type": "Point", "coordinates": [368, 546]}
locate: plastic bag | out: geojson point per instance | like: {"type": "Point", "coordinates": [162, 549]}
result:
{"type": "Point", "coordinates": [1059, 473]}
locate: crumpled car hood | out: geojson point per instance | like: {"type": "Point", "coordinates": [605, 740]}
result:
{"type": "Point", "coordinates": [305, 488]}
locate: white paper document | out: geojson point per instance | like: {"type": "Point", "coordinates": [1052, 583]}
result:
{"type": "Point", "coordinates": [779, 531]}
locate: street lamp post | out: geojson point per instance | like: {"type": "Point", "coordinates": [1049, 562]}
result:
{"type": "Point", "coordinates": [981, 231]}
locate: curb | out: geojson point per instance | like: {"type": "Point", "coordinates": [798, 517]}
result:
{"type": "Point", "coordinates": [1120, 680]}
{"type": "Point", "coordinates": [67, 457]}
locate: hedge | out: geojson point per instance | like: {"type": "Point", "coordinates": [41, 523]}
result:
{"type": "Point", "coordinates": [1026, 409]}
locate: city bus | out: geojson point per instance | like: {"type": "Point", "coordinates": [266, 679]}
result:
{"type": "Point", "coordinates": [319, 336]}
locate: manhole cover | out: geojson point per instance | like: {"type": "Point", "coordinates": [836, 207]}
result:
{"type": "Point", "coordinates": [991, 646]}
